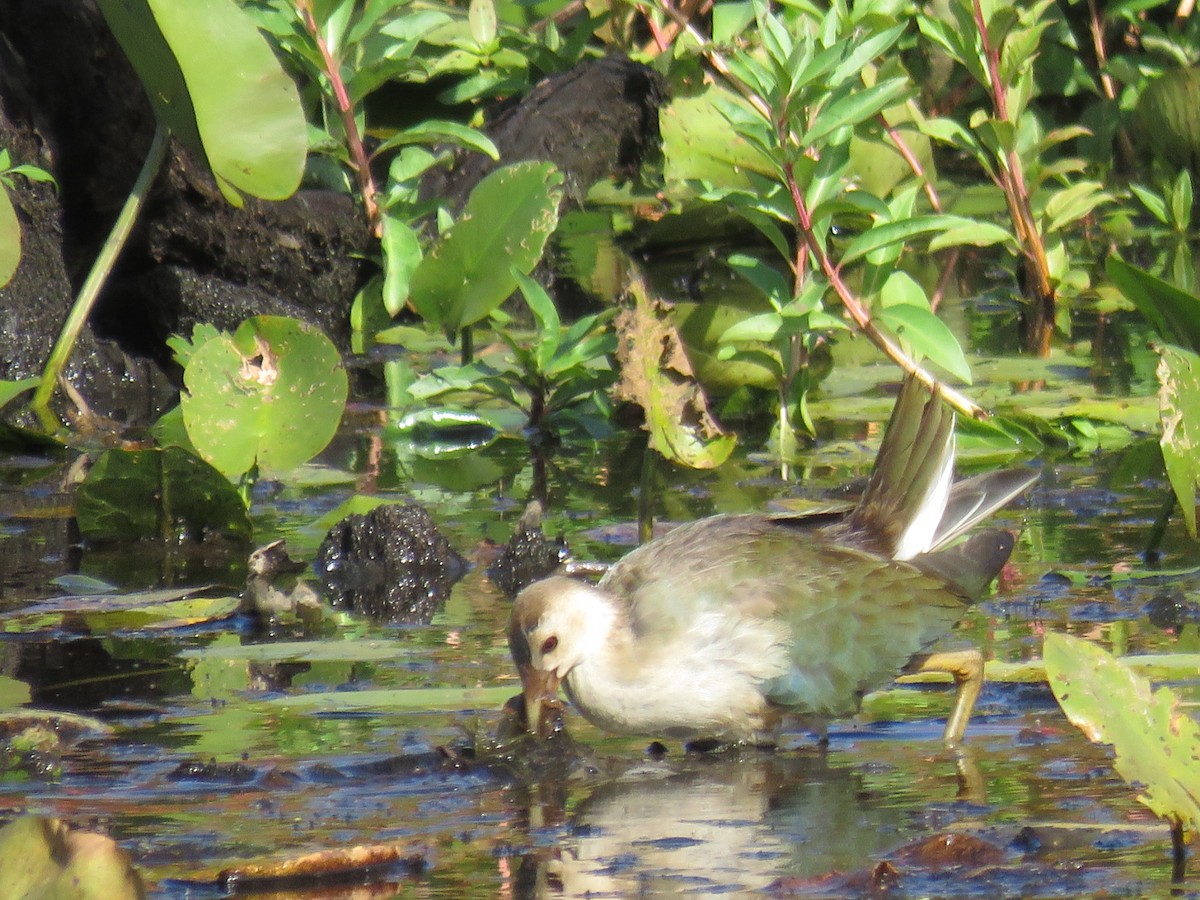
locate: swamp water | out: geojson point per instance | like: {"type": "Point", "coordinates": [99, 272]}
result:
{"type": "Point", "coordinates": [225, 744]}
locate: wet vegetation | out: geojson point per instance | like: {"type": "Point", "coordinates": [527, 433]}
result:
{"type": "Point", "coordinates": [630, 266]}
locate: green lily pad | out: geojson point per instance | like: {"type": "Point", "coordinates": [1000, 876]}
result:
{"type": "Point", "coordinates": [132, 495]}
{"type": "Point", "coordinates": [270, 396]}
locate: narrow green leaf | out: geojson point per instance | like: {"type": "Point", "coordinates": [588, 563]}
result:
{"type": "Point", "coordinates": [549, 326]}
{"type": "Point", "coordinates": [1069, 205]}
{"type": "Point", "coordinates": [895, 232]}
{"type": "Point", "coordinates": [761, 328]}
{"type": "Point", "coordinates": [1154, 204]}
{"type": "Point", "coordinates": [401, 256]}
{"type": "Point", "coordinates": [972, 233]}
{"type": "Point", "coordinates": [10, 239]}
{"type": "Point", "coordinates": [927, 334]}
{"type": "Point", "coordinates": [434, 130]}
{"type": "Point", "coordinates": [768, 280]}
{"type": "Point", "coordinates": [855, 109]}
{"type": "Point", "coordinates": [11, 390]}
{"type": "Point", "coordinates": [1173, 313]}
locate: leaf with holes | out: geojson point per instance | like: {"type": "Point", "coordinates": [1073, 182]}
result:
{"type": "Point", "coordinates": [1157, 743]}
{"type": "Point", "coordinates": [1179, 415]}
{"type": "Point", "coordinates": [507, 220]}
{"type": "Point", "coordinates": [270, 395]}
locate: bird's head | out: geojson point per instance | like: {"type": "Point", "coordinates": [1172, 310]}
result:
{"type": "Point", "coordinates": [556, 624]}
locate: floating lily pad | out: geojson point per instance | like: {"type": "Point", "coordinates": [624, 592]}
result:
{"type": "Point", "coordinates": [271, 395]}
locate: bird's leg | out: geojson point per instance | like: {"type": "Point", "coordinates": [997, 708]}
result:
{"type": "Point", "coordinates": [966, 666]}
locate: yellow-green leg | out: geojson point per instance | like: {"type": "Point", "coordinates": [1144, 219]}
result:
{"type": "Point", "coordinates": [966, 667]}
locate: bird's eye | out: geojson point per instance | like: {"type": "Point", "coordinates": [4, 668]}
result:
{"type": "Point", "coordinates": [549, 644]}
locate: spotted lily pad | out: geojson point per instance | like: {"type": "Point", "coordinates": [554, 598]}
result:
{"type": "Point", "coordinates": [271, 395]}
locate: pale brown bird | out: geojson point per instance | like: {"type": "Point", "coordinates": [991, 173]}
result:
{"type": "Point", "coordinates": [722, 626]}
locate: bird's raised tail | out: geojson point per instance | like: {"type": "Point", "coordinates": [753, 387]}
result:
{"type": "Point", "coordinates": [911, 505]}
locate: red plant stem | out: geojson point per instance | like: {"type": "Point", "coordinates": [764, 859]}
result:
{"type": "Point", "coordinates": [358, 153]}
{"type": "Point", "coordinates": [1020, 210]}
{"type": "Point", "coordinates": [809, 244]}
{"type": "Point", "coordinates": [1109, 85]}
{"type": "Point", "coordinates": [935, 202]}
{"type": "Point", "coordinates": [913, 163]}
{"type": "Point", "coordinates": [862, 317]}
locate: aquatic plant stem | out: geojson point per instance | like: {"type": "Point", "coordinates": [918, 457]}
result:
{"type": "Point", "coordinates": [808, 243]}
{"type": "Point", "coordinates": [861, 316]}
{"type": "Point", "coordinates": [1011, 180]}
{"type": "Point", "coordinates": [358, 153]}
{"type": "Point", "coordinates": [96, 278]}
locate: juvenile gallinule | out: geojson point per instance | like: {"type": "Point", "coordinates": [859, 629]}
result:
{"type": "Point", "coordinates": [723, 626]}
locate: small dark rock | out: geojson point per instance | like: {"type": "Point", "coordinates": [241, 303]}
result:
{"type": "Point", "coordinates": [596, 120]}
{"type": "Point", "coordinates": [528, 556]}
{"type": "Point", "coordinates": [212, 771]}
{"type": "Point", "coordinates": [391, 564]}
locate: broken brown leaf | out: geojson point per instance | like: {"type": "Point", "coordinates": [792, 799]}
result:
{"type": "Point", "coordinates": [657, 375]}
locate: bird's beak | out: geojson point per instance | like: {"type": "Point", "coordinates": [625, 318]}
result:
{"type": "Point", "coordinates": [537, 686]}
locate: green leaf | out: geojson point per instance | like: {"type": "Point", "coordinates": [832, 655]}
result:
{"type": "Point", "coordinates": [10, 239]}
{"type": "Point", "coordinates": [132, 495]}
{"type": "Point", "coordinates": [1182, 201]}
{"type": "Point", "coordinates": [926, 333]}
{"type": "Point", "coordinates": [271, 395]}
{"type": "Point", "coordinates": [889, 233]}
{"type": "Point", "coordinates": [1157, 743]}
{"type": "Point", "coordinates": [1179, 411]}
{"type": "Point", "coordinates": [762, 328]}
{"type": "Point", "coordinates": [1173, 313]}
{"type": "Point", "coordinates": [1069, 205]}
{"type": "Point", "coordinates": [440, 130]}
{"type": "Point", "coordinates": [401, 256]}
{"type": "Point", "coordinates": [214, 80]}
{"type": "Point", "coordinates": [855, 109]}
{"type": "Point", "coordinates": [767, 279]}
{"type": "Point", "coordinates": [548, 323]}
{"type": "Point", "coordinates": [1155, 205]}
{"type": "Point", "coordinates": [973, 233]}
{"type": "Point", "coordinates": [481, 15]}
{"type": "Point", "coordinates": [507, 220]}
{"type": "Point", "coordinates": [11, 390]}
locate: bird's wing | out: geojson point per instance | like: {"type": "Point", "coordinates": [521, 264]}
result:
{"type": "Point", "coordinates": [848, 620]}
